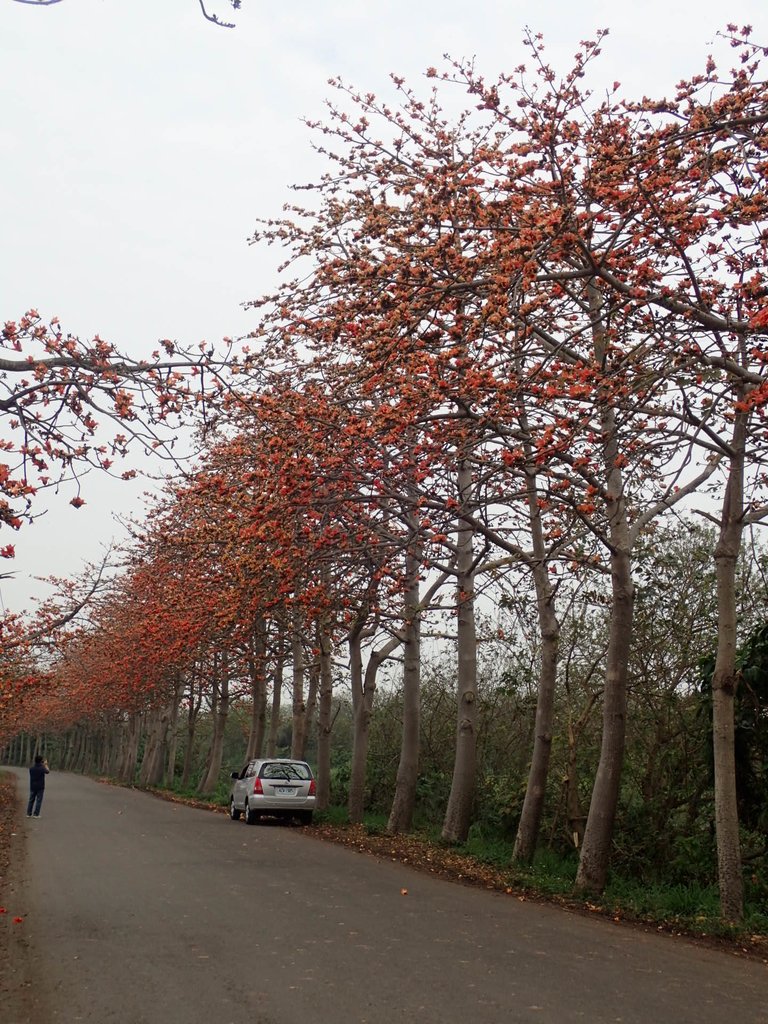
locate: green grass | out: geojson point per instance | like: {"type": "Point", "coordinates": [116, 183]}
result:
{"type": "Point", "coordinates": [335, 816]}
{"type": "Point", "coordinates": [691, 907]}
{"type": "Point", "coordinates": [220, 795]}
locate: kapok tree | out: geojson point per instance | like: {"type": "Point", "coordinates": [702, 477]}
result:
{"type": "Point", "coordinates": [58, 395]}
{"type": "Point", "coordinates": [391, 259]}
{"type": "Point", "coordinates": [659, 230]}
{"type": "Point", "coordinates": [332, 538]}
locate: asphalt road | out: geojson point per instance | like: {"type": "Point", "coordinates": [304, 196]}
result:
{"type": "Point", "coordinates": [139, 911]}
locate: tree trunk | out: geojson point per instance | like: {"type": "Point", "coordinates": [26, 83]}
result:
{"type": "Point", "coordinates": [404, 801]}
{"type": "Point", "coordinates": [363, 692]}
{"type": "Point", "coordinates": [277, 694]}
{"type": "Point", "coordinates": [324, 721]}
{"type": "Point", "coordinates": [130, 756]}
{"type": "Point", "coordinates": [257, 671]}
{"type": "Point", "coordinates": [596, 847]}
{"type": "Point", "coordinates": [458, 813]}
{"type": "Point", "coordinates": [71, 737]}
{"type": "Point", "coordinates": [152, 762]}
{"type": "Point", "coordinates": [549, 627]}
{"type": "Point", "coordinates": [173, 738]}
{"type": "Point", "coordinates": [299, 707]}
{"type": "Point", "coordinates": [211, 779]}
{"type": "Point", "coordinates": [361, 714]}
{"type": "Point", "coordinates": [598, 834]}
{"type": "Point", "coordinates": [724, 685]}
{"type": "Point", "coordinates": [311, 708]}
{"type": "Point", "coordinates": [193, 710]}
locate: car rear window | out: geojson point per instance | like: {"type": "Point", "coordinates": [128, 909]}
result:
{"type": "Point", "coordinates": [294, 770]}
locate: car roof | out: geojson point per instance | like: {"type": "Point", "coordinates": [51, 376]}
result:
{"type": "Point", "coordinates": [277, 760]}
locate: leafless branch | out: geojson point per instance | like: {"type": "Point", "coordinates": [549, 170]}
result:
{"type": "Point", "coordinates": [209, 17]}
{"type": "Point", "coordinates": [213, 18]}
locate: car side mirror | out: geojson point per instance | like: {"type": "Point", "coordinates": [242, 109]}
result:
{"type": "Point", "coordinates": [235, 775]}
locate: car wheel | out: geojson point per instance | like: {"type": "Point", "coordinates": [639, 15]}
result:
{"type": "Point", "coordinates": [233, 811]}
{"type": "Point", "coordinates": [305, 817]}
{"type": "Point", "coordinates": [251, 817]}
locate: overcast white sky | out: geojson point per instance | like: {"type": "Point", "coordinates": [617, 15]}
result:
{"type": "Point", "coordinates": [140, 144]}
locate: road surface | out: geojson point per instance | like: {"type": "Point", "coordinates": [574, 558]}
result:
{"type": "Point", "coordinates": [140, 911]}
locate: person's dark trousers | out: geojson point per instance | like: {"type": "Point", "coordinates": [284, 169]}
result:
{"type": "Point", "coordinates": [35, 801]}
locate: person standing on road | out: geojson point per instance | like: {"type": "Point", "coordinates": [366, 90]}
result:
{"type": "Point", "coordinates": [37, 774]}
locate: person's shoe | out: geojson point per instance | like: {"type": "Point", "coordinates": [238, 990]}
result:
{"type": "Point", "coordinates": [29, 815]}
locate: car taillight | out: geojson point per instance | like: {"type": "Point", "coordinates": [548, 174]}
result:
{"type": "Point", "coordinates": [312, 788]}
{"type": "Point", "coordinates": [257, 786]}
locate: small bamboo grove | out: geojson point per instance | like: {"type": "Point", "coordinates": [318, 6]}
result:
{"type": "Point", "coordinates": [473, 523]}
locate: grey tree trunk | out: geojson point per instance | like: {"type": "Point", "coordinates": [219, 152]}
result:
{"type": "Point", "coordinates": [404, 801]}
{"type": "Point", "coordinates": [622, 535]}
{"type": "Point", "coordinates": [173, 737]}
{"type": "Point", "coordinates": [257, 657]}
{"type": "Point", "coordinates": [363, 691]}
{"type": "Point", "coordinates": [549, 628]}
{"type": "Point", "coordinates": [277, 694]}
{"type": "Point", "coordinates": [193, 710]}
{"type": "Point", "coordinates": [596, 848]}
{"type": "Point", "coordinates": [362, 703]}
{"type": "Point", "coordinates": [324, 720]}
{"type": "Point", "coordinates": [130, 756]}
{"type": "Point", "coordinates": [311, 706]}
{"type": "Point", "coordinates": [458, 814]}
{"type": "Point", "coordinates": [221, 683]}
{"type": "Point", "coordinates": [151, 771]}
{"type": "Point", "coordinates": [598, 833]}
{"type": "Point", "coordinates": [724, 681]}
{"type": "Point", "coordinates": [299, 707]}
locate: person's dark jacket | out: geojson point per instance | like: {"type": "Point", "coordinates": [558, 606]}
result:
{"type": "Point", "coordinates": [37, 775]}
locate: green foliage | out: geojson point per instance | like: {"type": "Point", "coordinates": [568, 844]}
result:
{"type": "Point", "coordinates": [693, 857]}
{"type": "Point", "coordinates": [335, 815]}
{"type": "Point", "coordinates": [751, 731]}
{"type": "Point", "coordinates": [750, 725]}
{"type": "Point", "coordinates": [756, 890]}
{"type": "Point", "coordinates": [691, 904]}
{"type": "Point", "coordinates": [341, 770]}
{"type": "Point", "coordinates": [219, 797]}
{"type": "Point", "coordinates": [375, 824]}
{"type": "Point", "coordinates": [486, 847]}
{"type": "Point", "coordinates": [499, 803]}
{"type": "Point", "coordinates": [432, 790]}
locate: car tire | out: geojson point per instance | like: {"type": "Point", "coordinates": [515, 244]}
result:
{"type": "Point", "coordinates": [233, 811]}
{"type": "Point", "coordinates": [251, 817]}
{"type": "Point", "coordinates": [305, 817]}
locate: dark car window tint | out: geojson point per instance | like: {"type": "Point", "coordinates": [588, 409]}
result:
{"type": "Point", "coordinates": [285, 771]}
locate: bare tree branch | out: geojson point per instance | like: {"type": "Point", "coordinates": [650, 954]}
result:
{"type": "Point", "coordinates": [213, 18]}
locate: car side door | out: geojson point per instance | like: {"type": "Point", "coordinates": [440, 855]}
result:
{"type": "Point", "coordinates": [240, 789]}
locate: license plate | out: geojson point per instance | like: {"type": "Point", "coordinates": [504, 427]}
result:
{"type": "Point", "coordinates": [284, 791]}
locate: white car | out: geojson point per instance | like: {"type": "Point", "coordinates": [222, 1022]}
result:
{"type": "Point", "coordinates": [277, 786]}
